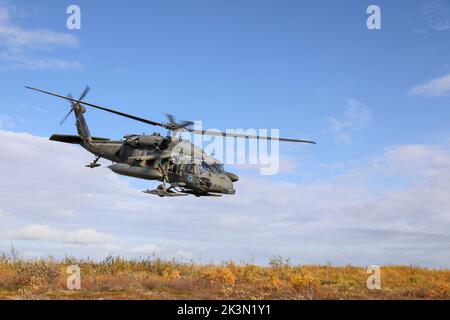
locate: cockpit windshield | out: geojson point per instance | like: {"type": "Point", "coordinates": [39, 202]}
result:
{"type": "Point", "coordinates": [211, 168]}
{"type": "Point", "coordinates": [218, 168]}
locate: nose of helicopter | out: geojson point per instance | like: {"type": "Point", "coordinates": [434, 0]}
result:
{"type": "Point", "coordinates": [222, 184]}
{"type": "Point", "coordinates": [229, 191]}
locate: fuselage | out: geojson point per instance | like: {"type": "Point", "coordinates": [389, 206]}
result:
{"type": "Point", "coordinates": [180, 162]}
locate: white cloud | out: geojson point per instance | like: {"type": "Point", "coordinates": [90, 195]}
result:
{"type": "Point", "coordinates": [394, 208]}
{"type": "Point", "coordinates": [15, 37]}
{"type": "Point", "coordinates": [435, 14]}
{"type": "Point", "coordinates": [6, 122]}
{"type": "Point", "coordinates": [183, 255]}
{"type": "Point", "coordinates": [38, 232]}
{"type": "Point", "coordinates": [61, 212]}
{"type": "Point", "coordinates": [21, 60]}
{"type": "Point", "coordinates": [427, 161]}
{"type": "Point", "coordinates": [287, 164]}
{"type": "Point", "coordinates": [20, 46]}
{"type": "Point", "coordinates": [3, 213]}
{"type": "Point", "coordinates": [356, 117]}
{"type": "Point", "coordinates": [4, 15]}
{"type": "Point", "coordinates": [147, 249]}
{"type": "Point", "coordinates": [433, 88]}
{"type": "Point", "coordinates": [88, 236]}
{"type": "Point", "coordinates": [48, 233]}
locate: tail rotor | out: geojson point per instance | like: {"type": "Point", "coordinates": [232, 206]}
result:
{"type": "Point", "coordinates": [173, 125]}
{"type": "Point", "coordinates": [74, 104]}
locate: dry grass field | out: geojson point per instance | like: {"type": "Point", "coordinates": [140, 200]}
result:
{"type": "Point", "coordinates": [153, 278]}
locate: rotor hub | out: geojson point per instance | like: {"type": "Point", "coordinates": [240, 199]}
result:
{"type": "Point", "coordinates": [80, 108]}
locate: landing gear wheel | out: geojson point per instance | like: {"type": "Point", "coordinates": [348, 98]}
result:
{"type": "Point", "coordinates": [163, 191]}
{"type": "Point", "coordinates": [94, 164]}
{"type": "Point", "coordinates": [161, 188]}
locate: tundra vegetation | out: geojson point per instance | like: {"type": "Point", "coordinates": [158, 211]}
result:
{"type": "Point", "coordinates": [156, 278]}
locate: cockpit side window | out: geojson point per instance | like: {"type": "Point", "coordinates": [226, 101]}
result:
{"type": "Point", "coordinates": [205, 168]}
{"type": "Point", "coordinates": [189, 168]}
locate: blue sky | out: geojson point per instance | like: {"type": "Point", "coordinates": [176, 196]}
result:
{"type": "Point", "coordinates": [376, 101]}
{"type": "Point", "coordinates": [248, 64]}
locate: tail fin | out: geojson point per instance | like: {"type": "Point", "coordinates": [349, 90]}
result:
{"type": "Point", "coordinates": [80, 123]}
{"type": "Point", "coordinates": [76, 107]}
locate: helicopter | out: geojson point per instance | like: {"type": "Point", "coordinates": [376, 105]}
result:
{"type": "Point", "coordinates": [182, 167]}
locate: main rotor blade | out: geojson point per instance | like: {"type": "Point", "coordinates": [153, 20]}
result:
{"type": "Point", "coordinates": [122, 114]}
{"type": "Point", "coordinates": [185, 124]}
{"type": "Point", "coordinates": [245, 136]}
{"type": "Point", "coordinates": [153, 123]}
{"type": "Point", "coordinates": [85, 92]}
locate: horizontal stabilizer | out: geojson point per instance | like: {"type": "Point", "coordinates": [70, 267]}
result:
{"type": "Point", "coordinates": [74, 139]}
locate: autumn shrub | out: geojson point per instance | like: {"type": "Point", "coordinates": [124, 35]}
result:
{"type": "Point", "coordinates": [304, 283]}
{"type": "Point", "coordinates": [273, 284]}
{"type": "Point", "coordinates": [171, 274]}
{"type": "Point", "coordinates": [117, 277]}
{"type": "Point", "coordinates": [219, 277]}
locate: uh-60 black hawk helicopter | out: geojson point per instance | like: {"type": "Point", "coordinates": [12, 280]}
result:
{"type": "Point", "coordinates": [174, 161]}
